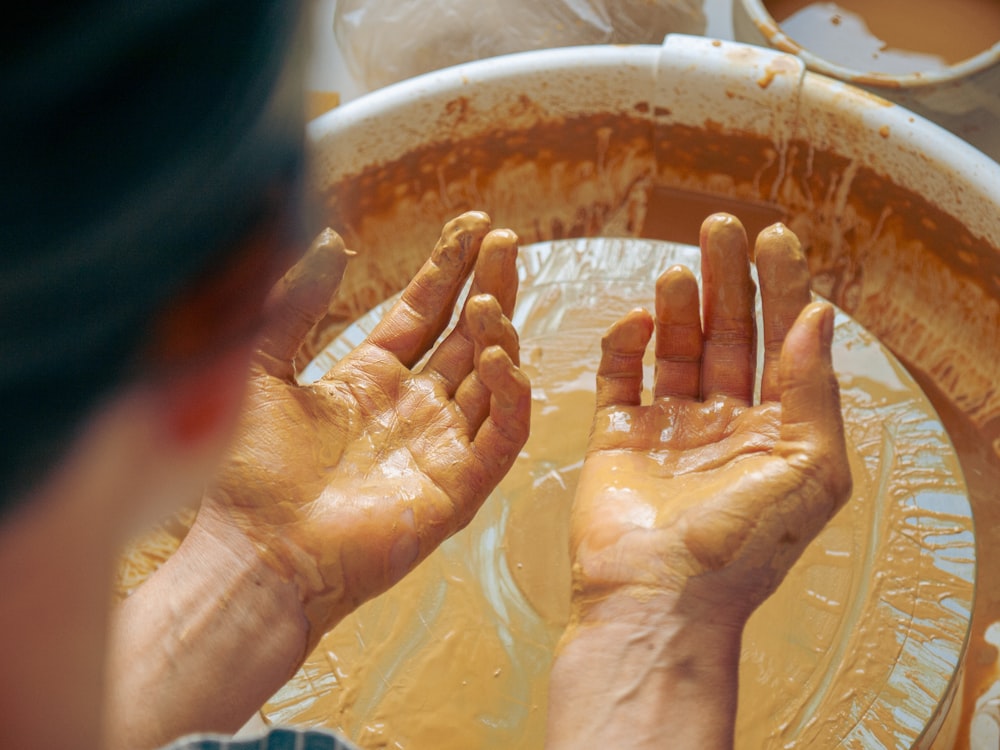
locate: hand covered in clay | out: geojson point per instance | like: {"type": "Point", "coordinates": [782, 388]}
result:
{"type": "Point", "coordinates": [703, 500]}
{"type": "Point", "coordinates": [346, 484]}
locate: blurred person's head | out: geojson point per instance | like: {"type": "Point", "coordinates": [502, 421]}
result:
{"type": "Point", "coordinates": [151, 160]}
{"type": "Point", "coordinates": [151, 164]}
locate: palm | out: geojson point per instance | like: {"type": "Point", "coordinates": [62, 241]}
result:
{"type": "Point", "coordinates": [350, 481]}
{"type": "Point", "coordinates": [707, 498]}
{"type": "Point", "coordinates": [690, 513]}
{"type": "Point", "coordinates": [402, 430]}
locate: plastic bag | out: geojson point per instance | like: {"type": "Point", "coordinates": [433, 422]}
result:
{"type": "Point", "coordinates": [384, 41]}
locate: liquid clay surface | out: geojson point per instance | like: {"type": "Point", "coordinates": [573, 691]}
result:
{"type": "Point", "coordinates": [861, 641]}
{"type": "Point", "coordinates": [891, 36]}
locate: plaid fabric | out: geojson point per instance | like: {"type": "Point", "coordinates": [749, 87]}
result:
{"type": "Point", "coordinates": [276, 739]}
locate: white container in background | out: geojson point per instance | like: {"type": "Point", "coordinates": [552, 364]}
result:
{"type": "Point", "coordinates": [964, 97]}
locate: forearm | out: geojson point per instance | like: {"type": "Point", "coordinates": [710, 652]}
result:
{"type": "Point", "coordinates": [644, 682]}
{"type": "Point", "coordinates": [202, 644]}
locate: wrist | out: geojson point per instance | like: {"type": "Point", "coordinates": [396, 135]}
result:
{"type": "Point", "coordinates": [661, 623]}
{"type": "Point", "coordinates": [203, 643]}
{"type": "Point", "coordinates": [650, 679]}
{"type": "Point", "coordinates": [240, 572]}
{"type": "Point", "coordinates": [266, 566]}
{"type": "Point", "coordinates": [648, 606]}
{"type": "Point", "coordinates": [276, 554]}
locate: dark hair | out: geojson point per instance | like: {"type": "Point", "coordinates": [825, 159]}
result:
{"type": "Point", "coordinates": [138, 141]}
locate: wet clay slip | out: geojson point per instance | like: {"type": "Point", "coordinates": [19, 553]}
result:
{"type": "Point", "coordinates": [890, 36]}
{"type": "Point", "coordinates": [462, 648]}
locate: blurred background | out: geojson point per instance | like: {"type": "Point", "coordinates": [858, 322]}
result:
{"type": "Point", "coordinates": [329, 81]}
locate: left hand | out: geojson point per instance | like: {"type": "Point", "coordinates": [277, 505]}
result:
{"type": "Point", "coordinates": [343, 486]}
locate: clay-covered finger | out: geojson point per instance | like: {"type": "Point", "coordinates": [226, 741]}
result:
{"type": "Point", "coordinates": [508, 385]}
{"type": "Point", "coordinates": [300, 300]}
{"type": "Point", "coordinates": [502, 434]}
{"type": "Point", "coordinates": [783, 273]}
{"type": "Point", "coordinates": [496, 269]}
{"type": "Point", "coordinates": [811, 419]}
{"type": "Point", "coordinates": [488, 327]}
{"type": "Point", "coordinates": [482, 324]}
{"type": "Point", "coordinates": [729, 355]}
{"type": "Point", "coordinates": [426, 305]}
{"type": "Point", "coordinates": [619, 374]}
{"type": "Point", "coordinates": [505, 430]}
{"type": "Point", "coordinates": [496, 275]}
{"type": "Point", "coordinates": [678, 335]}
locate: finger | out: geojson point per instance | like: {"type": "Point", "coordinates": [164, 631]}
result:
{"type": "Point", "coordinates": [488, 327]}
{"type": "Point", "coordinates": [619, 375]}
{"type": "Point", "coordinates": [810, 400]}
{"type": "Point", "coordinates": [426, 305]}
{"type": "Point", "coordinates": [496, 269]}
{"type": "Point", "coordinates": [784, 288]}
{"type": "Point", "coordinates": [811, 417]}
{"type": "Point", "coordinates": [678, 335]}
{"type": "Point", "coordinates": [729, 356]}
{"type": "Point", "coordinates": [496, 275]}
{"type": "Point", "coordinates": [300, 300]}
{"type": "Point", "coordinates": [505, 430]}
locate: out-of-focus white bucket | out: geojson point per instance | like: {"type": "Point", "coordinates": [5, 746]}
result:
{"type": "Point", "coordinates": [964, 98]}
{"type": "Point", "coordinates": [900, 220]}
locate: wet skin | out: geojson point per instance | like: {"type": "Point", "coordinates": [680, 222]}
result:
{"type": "Point", "coordinates": [703, 495]}
{"type": "Point", "coordinates": [346, 484]}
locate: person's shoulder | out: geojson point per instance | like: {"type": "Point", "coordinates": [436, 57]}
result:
{"type": "Point", "coordinates": [275, 739]}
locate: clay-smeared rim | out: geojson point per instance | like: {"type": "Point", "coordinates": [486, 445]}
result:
{"type": "Point", "coordinates": [771, 30]}
{"type": "Point", "coordinates": [384, 125]}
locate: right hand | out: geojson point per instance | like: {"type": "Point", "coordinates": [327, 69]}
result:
{"type": "Point", "coordinates": [697, 504]}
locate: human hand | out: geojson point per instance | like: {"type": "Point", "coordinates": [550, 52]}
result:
{"type": "Point", "coordinates": [344, 485]}
{"type": "Point", "coordinates": [701, 500]}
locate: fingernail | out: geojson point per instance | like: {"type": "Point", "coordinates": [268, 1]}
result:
{"type": "Point", "coordinates": [826, 326]}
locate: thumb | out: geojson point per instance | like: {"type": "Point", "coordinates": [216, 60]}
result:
{"type": "Point", "coordinates": [811, 418]}
{"type": "Point", "coordinates": [300, 300]}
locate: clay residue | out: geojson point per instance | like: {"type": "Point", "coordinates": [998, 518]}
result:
{"type": "Point", "coordinates": [876, 249]}
{"type": "Point", "coordinates": [911, 273]}
{"type": "Point", "coordinates": [921, 281]}
{"type": "Point", "coordinates": [890, 36]}
{"type": "Point", "coordinates": [457, 655]}
{"type": "Point", "coordinates": [981, 465]}
{"type": "Point", "coordinates": [871, 644]}
{"type": "Point", "coordinates": [600, 194]}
